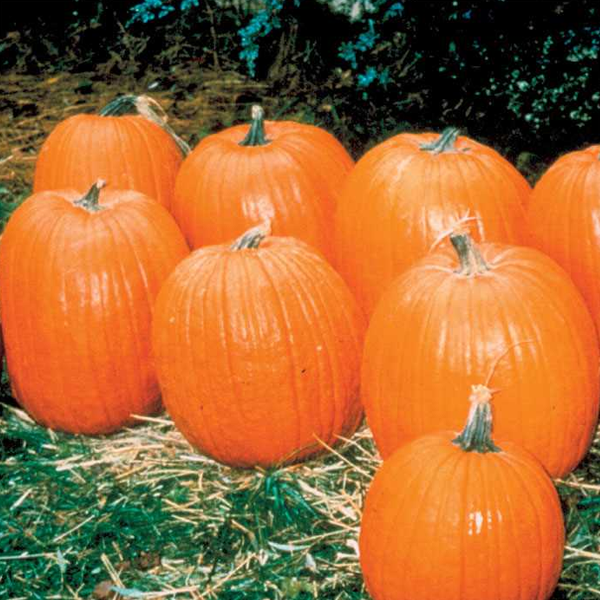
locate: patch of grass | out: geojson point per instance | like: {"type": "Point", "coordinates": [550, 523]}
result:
{"type": "Point", "coordinates": [139, 515]}
{"type": "Point", "coordinates": [140, 512]}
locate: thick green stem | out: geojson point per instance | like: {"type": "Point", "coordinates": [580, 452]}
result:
{"type": "Point", "coordinates": [445, 143]}
{"type": "Point", "coordinates": [477, 434]}
{"type": "Point", "coordinates": [471, 261]}
{"type": "Point", "coordinates": [91, 201]}
{"type": "Point", "coordinates": [256, 134]}
{"type": "Point", "coordinates": [146, 107]}
{"type": "Point", "coordinates": [252, 238]}
{"type": "Point", "coordinates": [123, 105]}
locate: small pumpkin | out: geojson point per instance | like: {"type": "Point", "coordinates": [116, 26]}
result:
{"type": "Point", "coordinates": [130, 151]}
{"type": "Point", "coordinates": [78, 279]}
{"type": "Point", "coordinates": [563, 216]}
{"type": "Point", "coordinates": [507, 315]}
{"type": "Point", "coordinates": [288, 173]}
{"type": "Point", "coordinates": [461, 518]}
{"type": "Point", "coordinates": [410, 191]}
{"type": "Point", "coordinates": [257, 348]}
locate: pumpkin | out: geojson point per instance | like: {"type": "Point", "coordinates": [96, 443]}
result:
{"type": "Point", "coordinates": [257, 346]}
{"type": "Point", "coordinates": [285, 172]}
{"type": "Point", "coordinates": [461, 518]}
{"type": "Point", "coordinates": [406, 194]}
{"type": "Point", "coordinates": [130, 151]}
{"type": "Point", "coordinates": [563, 216]}
{"type": "Point", "coordinates": [507, 315]}
{"type": "Point", "coordinates": [78, 278]}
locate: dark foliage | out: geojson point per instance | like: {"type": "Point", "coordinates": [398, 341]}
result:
{"type": "Point", "coordinates": [519, 75]}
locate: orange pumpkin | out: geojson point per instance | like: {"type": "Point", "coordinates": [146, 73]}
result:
{"type": "Point", "coordinates": [288, 173]}
{"type": "Point", "coordinates": [509, 316]}
{"type": "Point", "coordinates": [459, 518]}
{"type": "Point", "coordinates": [257, 349]}
{"type": "Point", "coordinates": [129, 151]}
{"type": "Point", "coordinates": [563, 217]}
{"type": "Point", "coordinates": [78, 279]}
{"type": "Point", "coordinates": [407, 193]}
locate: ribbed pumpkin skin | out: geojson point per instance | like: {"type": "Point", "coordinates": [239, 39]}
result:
{"type": "Point", "coordinates": [129, 152]}
{"type": "Point", "coordinates": [258, 351]}
{"type": "Point", "coordinates": [400, 200]}
{"type": "Point", "coordinates": [436, 332]}
{"type": "Point", "coordinates": [564, 217]}
{"type": "Point", "coordinates": [76, 293]}
{"type": "Point", "coordinates": [439, 522]}
{"type": "Point", "coordinates": [294, 181]}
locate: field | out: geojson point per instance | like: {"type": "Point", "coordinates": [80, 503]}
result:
{"type": "Point", "coordinates": [139, 514]}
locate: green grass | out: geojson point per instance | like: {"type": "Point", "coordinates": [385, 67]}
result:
{"type": "Point", "coordinates": [140, 510]}
{"type": "Point", "coordinates": [139, 515]}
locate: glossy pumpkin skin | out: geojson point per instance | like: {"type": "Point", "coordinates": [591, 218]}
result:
{"type": "Point", "coordinates": [439, 522]}
{"type": "Point", "coordinates": [128, 151]}
{"type": "Point", "coordinates": [258, 352]}
{"type": "Point", "coordinates": [564, 220]}
{"type": "Point", "coordinates": [522, 327]}
{"type": "Point", "coordinates": [76, 293]}
{"type": "Point", "coordinates": [401, 200]}
{"type": "Point", "coordinates": [294, 181]}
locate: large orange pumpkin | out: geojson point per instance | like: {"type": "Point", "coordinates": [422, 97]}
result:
{"type": "Point", "coordinates": [407, 193]}
{"type": "Point", "coordinates": [508, 316]}
{"type": "Point", "coordinates": [129, 151]}
{"type": "Point", "coordinates": [257, 348]}
{"type": "Point", "coordinates": [461, 518]}
{"type": "Point", "coordinates": [288, 173]}
{"type": "Point", "coordinates": [564, 216]}
{"type": "Point", "coordinates": [78, 279]}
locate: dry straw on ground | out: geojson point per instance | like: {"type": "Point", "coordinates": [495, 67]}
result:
{"type": "Point", "coordinates": [139, 514]}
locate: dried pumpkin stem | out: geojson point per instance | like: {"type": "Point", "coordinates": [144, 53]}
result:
{"type": "Point", "coordinates": [477, 434]}
{"type": "Point", "coordinates": [123, 105]}
{"type": "Point", "coordinates": [445, 143]}
{"type": "Point", "coordinates": [91, 200]}
{"type": "Point", "coordinates": [471, 261]}
{"type": "Point", "coordinates": [252, 238]}
{"type": "Point", "coordinates": [147, 107]}
{"type": "Point", "coordinates": [256, 134]}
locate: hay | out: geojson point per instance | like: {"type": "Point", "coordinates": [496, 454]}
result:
{"type": "Point", "coordinates": [142, 511]}
{"type": "Point", "coordinates": [139, 514]}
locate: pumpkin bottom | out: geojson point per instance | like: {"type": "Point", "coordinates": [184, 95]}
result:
{"type": "Point", "coordinates": [89, 415]}
{"type": "Point", "coordinates": [265, 444]}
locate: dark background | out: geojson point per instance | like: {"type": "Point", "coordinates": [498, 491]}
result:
{"type": "Point", "coordinates": [522, 76]}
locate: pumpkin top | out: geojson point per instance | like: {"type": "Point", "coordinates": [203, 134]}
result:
{"type": "Point", "coordinates": [476, 436]}
{"type": "Point", "coordinates": [471, 261]}
{"type": "Point", "coordinates": [265, 135]}
{"type": "Point", "coordinates": [252, 238]}
{"type": "Point", "coordinates": [146, 107]}
{"type": "Point", "coordinates": [91, 200]}
{"type": "Point", "coordinates": [256, 133]}
{"type": "Point", "coordinates": [445, 143]}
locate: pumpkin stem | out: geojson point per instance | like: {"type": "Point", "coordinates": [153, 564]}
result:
{"type": "Point", "coordinates": [445, 143]}
{"type": "Point", "coordinates": [477, 434]}
{"type": "Point", "coordinates": [148, 108]}
{"type": "Point", "coordinates": [122, 105]}
{"type": "Point", "coordinates": [471, 261]}
{"type": "Point", "coordinates": [253, 237]}
{"type": "Point", "coordinates": [256, 133]}
{"type": "Point", "coordinates": [91, 199]}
